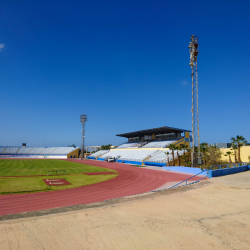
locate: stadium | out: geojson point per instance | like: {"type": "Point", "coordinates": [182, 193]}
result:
{"type": "Point", "coordinates": [154, 186]}
{"type": "Point", "coordinates": [147, 147]}
{"type": "Point", "coordinates": [154, 162]}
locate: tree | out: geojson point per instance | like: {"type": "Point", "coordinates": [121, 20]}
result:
{"type": "Point", "coordinates": [177, 148]}
{"type": "Point", "coordinates": [229, 153]}
{"type": "Point", "coordinates": [184, 156]}
{"type": "Point", "coordinates": [212, 155]}
{"type": "Point", "coordinates": [234, 147]}
{"type": "Point", "coordinates": [167, 153]}
{"type": "Point", "coordinates": [203, 149]}
{"type": "Point", "coordinates": [73, 146]}
{"type": "Point", "coordinates": [106, 147]}
{"type": "Point", "coordinates": [172, 147]}
{"type": "Point", "coordinates": [239, 141]}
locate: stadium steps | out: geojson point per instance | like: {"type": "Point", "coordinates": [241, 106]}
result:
{"type": "Point", "coordinates": [156, 153]}
{"type": "Point", "coordinates": [64, 150]}
{"type": "Point", "coordinates": [177, 142]}
{"type": "Point", "coordinates": [42, 151]}
{"type": "Point", "coordinates": [53, 151]}
{"type": "Point", "coordinates": [99, 156]}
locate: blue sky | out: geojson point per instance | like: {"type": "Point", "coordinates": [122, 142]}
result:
{"type": "Point", "coordinates": [124, 64]}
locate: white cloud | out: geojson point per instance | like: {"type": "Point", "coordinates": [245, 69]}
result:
{"type": "Point", "coordinates": [184, 82]}
{"type": "Point", "coordinates": [1, 46]}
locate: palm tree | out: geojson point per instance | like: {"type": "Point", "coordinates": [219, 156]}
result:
{"type": "Point", "coordinates": [172, 147]}
{"type": "Point", "coordinates": [184, 147]}
{"type": "Point", "coordinates": [203, 149]}
{"type": "Point", "coordinates": [239, 141]}
{"type": "Point", "coordinates": [167, 153]}
{"type": "Point", "coordinates": [229, 153]}
{"type": "Point", "coordinates": [177, 148]}
{"type": "Point", "coordinates": [234, 147]}
{"type": "Point", "coordinates": [189, 150]}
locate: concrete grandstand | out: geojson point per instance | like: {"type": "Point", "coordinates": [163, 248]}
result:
{"type": "Point", "coordinates": [147, 146]}
{"type": "Point", "coordinates": [39, 152]}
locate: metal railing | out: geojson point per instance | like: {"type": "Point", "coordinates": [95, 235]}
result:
{"type": "Point", "coordinates": [230, 165]}
{"type": "Point", "coordinates": [201, 173]}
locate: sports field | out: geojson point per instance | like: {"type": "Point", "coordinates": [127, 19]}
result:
{"type": "Point", "coordinates": [32, 182]}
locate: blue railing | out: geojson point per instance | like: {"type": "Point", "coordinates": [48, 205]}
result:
{"type": "Point", "coordinates": [201, 173]}
{"type": "Point", "coordinates": [230, 165]}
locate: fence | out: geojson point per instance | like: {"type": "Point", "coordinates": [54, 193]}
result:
{"type": "Point", "coordinates": [231, 165]}
{"type": "Point", "coordinates": [185, 182]}
{"type": "Point", "coordinates": [221, 170]}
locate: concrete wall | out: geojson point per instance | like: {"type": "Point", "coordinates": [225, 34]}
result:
{"type": "Point", "coordinates": [227, 171]}
{"type": "Point", "coordinates": [156, 164]}
{"type": "Point", "coordinates": [74, 153]}
{"type": "Point", "coordinates": [54, 157]}
{"type": "Point", "coordinates": [130, 162]}
{"type": "Point", "coordinates": [244, 154]}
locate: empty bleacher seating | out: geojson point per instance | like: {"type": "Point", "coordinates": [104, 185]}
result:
{"type": "Point", "coordinates": [2, 149]}
{"type": "Point", "coordinates": [67, 150]}
{"type": "Point", "coordinates": [161, 157]}
{"type": "Point", "coordinates": [159, 144]}
{"type": "Point", "coordinates": [36, 151]}
{"type": "Point", "coordinates": [99, 153]}
{"type": "Point", "coordinates": [48, 151]}
{"type": "Point", "coordinates": [128, 145]}
{"type": "Point", "coordinates": [11, 150]}
{"type": "Point", "coordinates": [137, 155]}
{"type": "Point", "coordinates": [24, 150]}
{"type": "Point", "coordinates": [131, 155]}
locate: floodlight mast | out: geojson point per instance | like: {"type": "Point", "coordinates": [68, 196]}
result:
{"type": "Point", "coordinates": [83, 119]}
{"type": "Point", "coordinates": [193, 49]}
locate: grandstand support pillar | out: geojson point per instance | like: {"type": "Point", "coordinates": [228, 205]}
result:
{"type": "Point", "coordinates": [83, 119]}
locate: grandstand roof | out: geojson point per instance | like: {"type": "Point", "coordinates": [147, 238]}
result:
{"type": "Point", "coordinates": [151, 131]}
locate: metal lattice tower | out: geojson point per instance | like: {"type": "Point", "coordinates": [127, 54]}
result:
{"type": "Point", "coordinates": [193, 49]}
{"type": "Point", "coordinates": [83, 119]}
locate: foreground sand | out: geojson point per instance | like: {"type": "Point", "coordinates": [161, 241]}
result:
{"type": "Point", "coordinates": [215, 215]}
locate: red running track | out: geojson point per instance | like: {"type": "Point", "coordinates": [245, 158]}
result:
{"type": "Point", "coordinates": [131, 180]}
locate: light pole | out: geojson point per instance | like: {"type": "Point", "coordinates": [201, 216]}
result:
{"type": "Point", "coordinates": [193, 49]}
{"type": "Point", "coordinates": [83, 119]}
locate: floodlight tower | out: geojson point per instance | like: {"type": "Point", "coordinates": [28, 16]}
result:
{"type": "Point", "coordinates": [83, 119]}
{"type": "Point", "coordinates": [193, 49]}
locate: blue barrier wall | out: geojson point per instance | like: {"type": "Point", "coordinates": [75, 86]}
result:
{"type": "Point", "coordinates": [185, 170]}
{"type": "Point", "coordinates": [155, 164]}
{"type": "Point", "coordinates": [130, 162]}
{"type": "Point", "coordinates": [227, 171]}
{"type": "Point", "coordinates": [100, 159]}
{"type": "Point", "coordinates": [91, 157]}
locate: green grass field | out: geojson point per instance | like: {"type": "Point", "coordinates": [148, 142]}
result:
{"type": "Point", "coordinates": [10, 185]}
{"type": "Point", "coordinates": [41, 167]}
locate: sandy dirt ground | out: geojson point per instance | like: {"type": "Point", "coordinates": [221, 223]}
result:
{"type": "Point", "coordinates": [214, 215]}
